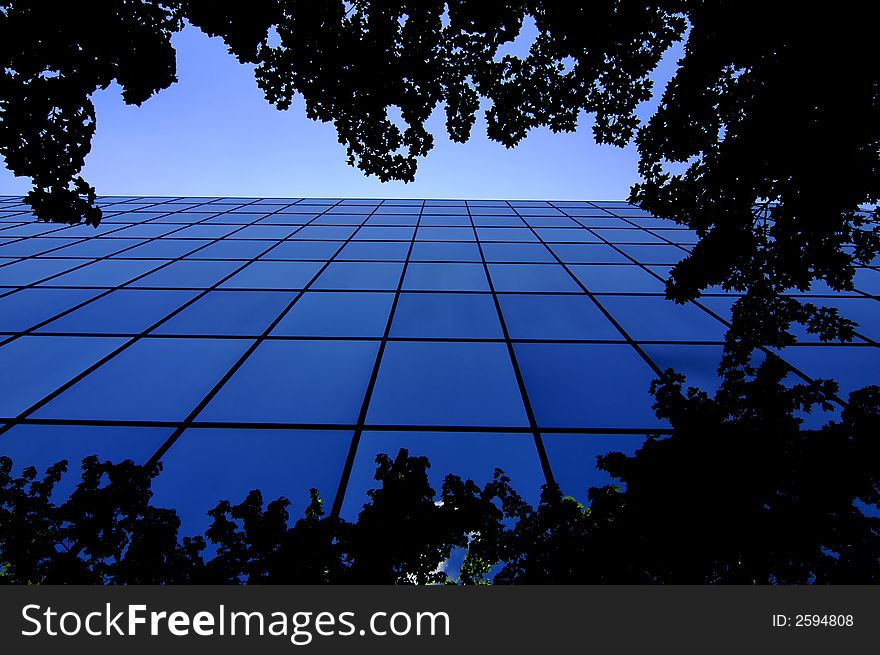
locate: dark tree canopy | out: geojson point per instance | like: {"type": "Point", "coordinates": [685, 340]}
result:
{"type": "Point", "coordinates": [54, 57]}
{"type": "Point", "coordinates": [766, 143]}
{"type": "Point", "coordinates": [740, 493]}
{"type": "Point", "coordinates": [377, 70]}
{"type": "Point", "coordinates": [107, 532]}
{"type": "Point", "coordinates": [771, 107]}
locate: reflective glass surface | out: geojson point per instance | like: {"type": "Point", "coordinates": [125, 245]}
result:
{"type": "Point", "coordinates": [268, 333]}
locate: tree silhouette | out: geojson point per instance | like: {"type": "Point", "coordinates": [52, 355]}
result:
{"type": "Point", "coordinates": [739, 493]}
{"type": "Point", "coordinates": [766, 143]}
{"type": "Point", "coordinates": [107, 532]}
{"type": "Point", "coordinates": [763, 110]}
{"type": "Point", "coordinates": [775, 109]}
{"type": "Point", "coordinates": [53, 58]}
{"type": "Point", "coordinates": [375, 69]}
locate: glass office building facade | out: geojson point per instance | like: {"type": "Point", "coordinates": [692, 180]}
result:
{"type": "Point", "coordinates": [281, 344]}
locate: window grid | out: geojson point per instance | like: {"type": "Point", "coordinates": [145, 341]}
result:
{"type": "Point", "coordinates": [512, 227]}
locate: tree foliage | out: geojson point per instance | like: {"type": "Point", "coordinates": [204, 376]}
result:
{"type": "Point", "coordinates": [54, 57]}
{"type": "Point", "coordinates": [739, 493]}
{"type": "Point", "coordinates": [766, 141]}
{"type": "Point", "coordinates": [107, 532]}
{"type": "Point", "coordinates": [767, 144]}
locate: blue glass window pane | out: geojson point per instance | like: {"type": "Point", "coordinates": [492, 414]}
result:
{"type": "Point", "coordinates": [605, 222]}
{"type": "Point", "coordinates": [446, 221]}
{"type": "Point", "coordinates": [552, 221]}
{"type": "Point", "coordinates": [280, 463]}
{"type": "Point", "coordinates": [445, 277]}
{"type": "Point", "coordinates": [648, 254]}
{"type": "Point", "coordinates": [588, 253]}
{"type": "Point", "coordinates": [250, 208]}
{"type": "Point", "coordinates": [665, 271]}
{"type": "Point", "coordinates": [32, 229]}
{"type": "Point", "coordinates": [363, 250]}
{"type": "Point", "coordinates": [198, 470]}
{"type": "Point", "coordinates": [444, 209]}
{"type": "Point", "coordinates": [264, 232]}
{"type": "Point", "coordinates": [633, 235]}
{"type": "Point", "coordinates": [24, 309]}
{"type": "Point", "coordinates": [152, 380]}
{"type": "Point", "coordinates": [164, 249]}
{"type": "Point", "coordinates": [139, 216]}
{"type": "Point", "coordinates": [392, 210]}
{"type": "Point", "coordinates": [698, 363]}
{"type": "Point", "coordinates": [327, 232]}
{"type": "Point", "coordinates": [567, 235]}
{"type": "Point", "coordinates": [573, 459]}
{"type": "Point", "coordinates": [555, 317]}
{"type": "Point", "coordinates": [337, 314]}
{"type": "Point", "coordinates": [236, 218]}
{"type": "Point", "coordinates": [587, 385]}
{"type": "Point", "coordinates": [304, 208]}
{"type": "Point", "coordinates": [537, 211]}
{"type": "Point", "coordinates": [852, 366]}
{"type": "Point", "coordinates": [428, 251]}
{"type": "Point", "coordinates": [350, 208]}
{"type": "Point", "coordinates": [232, 250]}
{"type": "Point", "coordinates": [630, 211]}
{"type": "Point", "coordinates": [654, 318]}
{"type": "Point", "coordinates": [409, 219]}
{"type": "Point", "coordinates": [303, 250]}
{"type": "Point", "coordinates": [285, 218]}
{"type": "Point", "coordinates": [206, 231]}
{"type": "Point", "coordinates": [29, 271]}
{"type": "Point", "coordinates": [384, 233]}
{"type": "Point", "coordinates": [611, 278]}
{"type": "Point", "coordinates": [498, 221]}
{"type": "Point", "coordinates": [445, 234]}
{"type": "Point", "coordinates": [470, 455]}
{"type": "Point", "coordinates": [650, 223]}
{"type": "Point", "coordinates": [505, 234]}
{"type": "Point", "coordinates": [445, 202]}
{"type": "Point", "coordinates": [124, 311]}
{"type": "Point", "coordinates": [495, 210]}
{"type": "Point", "coordinates": [867, 280]}
{"type": "Point", "coordinates": [338, 219]}
{"type": "Point", "coordinates": [531, 277]}
{"type": "Point", "coordinates": [228, 313]}
{"type": "Point", "coordinates": [145, 230]}
{"type": "Point", "coordinates": [97, 247]}
{"type": "Point", "coordinates": [446, 383]}
{"type": "Point", "coordinates": [273, 275]}
{"type": "Point", "coordinates": [864, 311]}
{"type": "Point", "coordinates": [29, 247]}
{"type": "Point", "coordinates": [517, 252]}
{"type": "Point", "coordinates": [688, 237]}
{"type": "Point", "coordinates": [368, 276]}
{"type": "Point", "coordinates": [105, 273]}
{"type": "Point", "coordinates": [33, 367]}
{"type": "Point", "coordinates": [180, 219]}
{"type": "Point", "coordinates": [43, 445]}
{"type": "Point", "coordinates": [446, 315]}
{"type": "Point", "coordinates": [188, 274]}
{"type": "Point", "coordinates": [297, 382]}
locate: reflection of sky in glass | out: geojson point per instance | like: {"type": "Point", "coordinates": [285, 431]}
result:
{"type": "Point", "coordinates": [458, 330]}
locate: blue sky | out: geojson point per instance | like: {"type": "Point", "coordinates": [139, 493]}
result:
{"type": "Point", "coordinates": [213, 134]}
